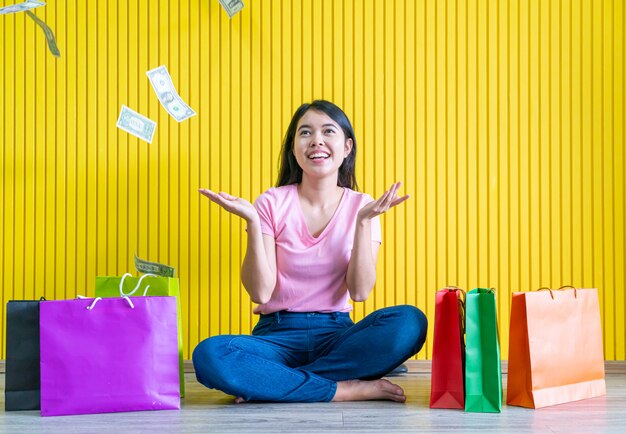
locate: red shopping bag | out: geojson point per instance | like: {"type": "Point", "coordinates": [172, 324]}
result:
{"type": "Point", "coordinates": [447, 384]}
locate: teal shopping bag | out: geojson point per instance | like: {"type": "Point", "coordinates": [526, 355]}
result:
{"type": "Point", "coordinates": [148, 285]}
{"type": "Point", "coordinates": [483, 375]}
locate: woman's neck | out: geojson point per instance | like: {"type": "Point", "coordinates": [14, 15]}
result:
{"type": "Point", "coordinates": [319, 192]}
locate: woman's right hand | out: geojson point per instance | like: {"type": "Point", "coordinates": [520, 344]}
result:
{"type": "Point", "coordinates": [235, 205]}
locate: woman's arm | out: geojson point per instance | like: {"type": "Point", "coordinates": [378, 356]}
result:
{"type": "Point", "coordinates": [258, 271]}
{"type": "Point", "coordinates": [361, 274]}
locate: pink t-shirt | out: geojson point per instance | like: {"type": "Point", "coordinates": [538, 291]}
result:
{"type": "Point", "coordinates": [310, 272]}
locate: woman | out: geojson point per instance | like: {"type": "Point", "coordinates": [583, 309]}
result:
{"type": "Point", "coordinates": [313, 242]}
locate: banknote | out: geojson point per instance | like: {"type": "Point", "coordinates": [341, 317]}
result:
{"type": "Point", "coordinates": [136, 124]}
{"type": "Point", "coordinates": [21, 7]}
{"type": "Point", "coordinates": [166, 92]}
{"type": "Point", "coordinates": [231, 6]}
{"type": "Point", "coordinates": [52, 42]}
{"type": "Point", "coordinates": [154, 268]}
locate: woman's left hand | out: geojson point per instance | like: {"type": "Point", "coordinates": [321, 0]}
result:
{"type": "Point", "coordinates": [388, 200]}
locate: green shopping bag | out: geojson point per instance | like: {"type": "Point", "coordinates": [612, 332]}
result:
{"type": "Point", "coordinates": [483, 376]}
{"type": "Point", "coordinates": [153, 285]}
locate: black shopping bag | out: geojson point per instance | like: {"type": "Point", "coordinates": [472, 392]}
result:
{"type": "Point", "coordinates": [22, 384]}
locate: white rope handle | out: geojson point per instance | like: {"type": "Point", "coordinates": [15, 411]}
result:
{"type": "Point", "coordinates": [92, 305]}
{"type": "Point", "coordinates": [122, 294]}
{"type": "Point", "coordinates": [130, 303]}
{"type": "Point", "coordinates": [146, 291]}
{"type": "Point", "coordinates": [122, 283]}
{"type": "Point", "coordinates": [97, 299]}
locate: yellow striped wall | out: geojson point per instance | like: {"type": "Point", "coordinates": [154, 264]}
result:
{"type": "Point", "coordinates": [504, 119]}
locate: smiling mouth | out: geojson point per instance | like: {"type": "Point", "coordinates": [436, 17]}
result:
{"type": "Point", "coordinates": [319, 156]}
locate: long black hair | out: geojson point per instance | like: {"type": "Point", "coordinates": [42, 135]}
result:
{"type": "Point", "coordinates": [290, 172]}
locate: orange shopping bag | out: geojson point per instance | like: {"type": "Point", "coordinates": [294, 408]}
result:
{"type": "Point", "coordinates": [555, 348]}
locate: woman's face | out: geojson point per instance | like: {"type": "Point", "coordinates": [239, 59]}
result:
{"type": "Point", "coordinates": [320, 146]}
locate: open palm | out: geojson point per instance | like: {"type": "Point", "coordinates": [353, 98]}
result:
{"type": "Point", "coordinates": [388, 200]}
{"type": "Point", "coordinates": [232, 204]}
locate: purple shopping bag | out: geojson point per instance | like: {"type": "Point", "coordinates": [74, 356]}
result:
{"type": "Point", "coordinates": [109, 355]}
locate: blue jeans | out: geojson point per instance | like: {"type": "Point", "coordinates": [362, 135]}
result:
{"type": "Point", "coordinates": [300, 357]}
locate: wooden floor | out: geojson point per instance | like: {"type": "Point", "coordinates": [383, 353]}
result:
{"type": "Point", "coordinates": [205, 411]}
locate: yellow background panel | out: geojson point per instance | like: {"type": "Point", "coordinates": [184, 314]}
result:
{"type": "Point", "coordinates": [504, 120]}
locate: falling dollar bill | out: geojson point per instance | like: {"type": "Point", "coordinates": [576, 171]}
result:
{"type": "Point", "coordinates": [154, 268]}
{"type": "Point", "coordinates": [136, 124]}
{"type": "Point", "coordinates": [52, 43]}
{"type": "Point", "coordinates": [21, 7]}
{"type": "Point", "coordinates": [231, 6]}
{"type": "Point", "coordinates": [170, 100]}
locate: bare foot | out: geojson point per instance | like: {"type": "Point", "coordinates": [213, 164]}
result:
{"type": "Point", "coordinates": [359, 390]}
{"type": "Point", "coordinates": [239, 400]}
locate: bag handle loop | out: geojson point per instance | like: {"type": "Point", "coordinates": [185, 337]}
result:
{"type": "Point", "coordinates": [549, 289]}
{"type": "Point", "coordinates": [97, 299]}
{"type": "Point", "coordinates": [564, 286]}
{"type": "Point", "coordinates": [570, 286]}
{"type": "Point", "coordinates": [122, 294]}
{"type": "Point", "coordinates": [456, 288]}
{"type": "Point", "coordinates": [461, 304]}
